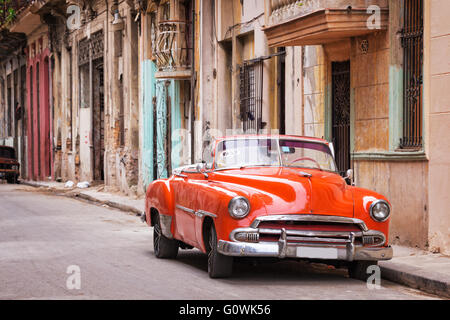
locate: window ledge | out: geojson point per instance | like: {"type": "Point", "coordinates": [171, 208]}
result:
{"type": "Point", "coordinates": [391, 156]}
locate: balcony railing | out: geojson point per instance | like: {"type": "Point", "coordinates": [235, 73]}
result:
{"type": "Point", "coordinates": [172, 49]}
{"type": "Point", "coordinates": [316, 22]}
{"type": "Point", "coordinates": [283, 10]}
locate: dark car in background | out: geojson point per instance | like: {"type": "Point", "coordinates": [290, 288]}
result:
{"type": "Point", "coordinates": [9, 166]}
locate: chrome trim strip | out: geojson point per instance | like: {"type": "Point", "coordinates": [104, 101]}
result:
{"type": "Point", "coordinates": [310, 218]}
{"type": "Point", "coordinates": [199, 213]}
{"type": "Point", "coordinates": [185, 209]}
{"type": "Point", "coordinates": [206, 213]}
{"type": "Point", "coordinates": [180, 175]}
{"type": "Point", "coordinates": [316, 239]}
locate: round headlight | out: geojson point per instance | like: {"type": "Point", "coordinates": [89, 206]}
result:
{"type": "Point", "coordinates": [380, 210]}
{"type": "Point", "coordinates": [239, 207]}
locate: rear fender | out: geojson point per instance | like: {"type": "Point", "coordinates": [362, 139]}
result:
{"type": "Point", "coordinates": [159, 196]}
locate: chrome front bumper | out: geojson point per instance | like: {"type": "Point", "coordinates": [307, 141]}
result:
{"type": "Point", "coordinates": [306, 244]}
{"type": "Point", "coordinates": [279, 250]}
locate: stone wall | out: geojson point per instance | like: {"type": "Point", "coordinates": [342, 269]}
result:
{"type": "Point", "coordinates": [437, 82]}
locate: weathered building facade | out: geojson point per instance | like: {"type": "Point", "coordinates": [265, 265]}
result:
{"type": "Point", "coordinates": [368, 69]}
{"type": "Point", "coordinates": [121, 92]}
{"type": "Point", "coordinates": [166, 81]}
{"type": "Point", "coordinates": [82, 92]}
{"type": "Point", "coordinates": [13, 116]}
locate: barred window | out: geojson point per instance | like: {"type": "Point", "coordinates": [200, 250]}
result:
{"type": "Point", "coordinates": [412, 43]}
{"type": "Point", "coordinates": [251, 84]}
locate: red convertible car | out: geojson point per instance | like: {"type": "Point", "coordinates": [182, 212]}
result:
{"type": "Point", "coordinates": [268, 196]}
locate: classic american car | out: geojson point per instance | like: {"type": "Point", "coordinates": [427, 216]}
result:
{"type": "Point", "coordinates": [268, 196]}
{"type": "Point", "coordinates": [9, 166]}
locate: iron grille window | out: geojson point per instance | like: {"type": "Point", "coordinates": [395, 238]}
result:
{"type": "Point", "coordinates": [251, 86]}
{"type": "Point", "coordinates": [412, 42]}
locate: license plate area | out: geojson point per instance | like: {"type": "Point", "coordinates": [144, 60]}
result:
{"type": "Point", "coordinates": [317, 253]}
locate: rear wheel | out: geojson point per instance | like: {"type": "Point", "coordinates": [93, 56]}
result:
{"type": "Point", "coordinates": [358, 269]}
{"type": "Point", "coordinates": [164, 248]}
{"type": "Point", "coordinates": [219, 265]}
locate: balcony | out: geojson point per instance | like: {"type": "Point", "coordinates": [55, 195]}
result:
{"type": "Point", "coordinates": [172, 51]}
{"type": "Point", "coordinates": [316, 22]}
{"type": "Point", "coordinates": [11, 40]}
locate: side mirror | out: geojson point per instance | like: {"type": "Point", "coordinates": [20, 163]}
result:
{"type": "Point", "coordinates": [201, 169]}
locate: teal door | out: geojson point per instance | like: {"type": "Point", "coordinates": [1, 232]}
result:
{"type": "Point", "coordinates": [162, 129]}
{"type": "Point", "coordinates": [167, 122]}
{"type": "Point", "coordinates": [162, 117]}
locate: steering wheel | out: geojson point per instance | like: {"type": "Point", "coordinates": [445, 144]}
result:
{"type": "Point", "coordinates": [306, 158]}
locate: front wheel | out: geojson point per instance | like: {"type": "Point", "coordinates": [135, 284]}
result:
{"type": "Point", "coordinates": [164, 248]}
{"type": "Point", "coordinates": [358, 269]}
{"type": "Point", "coordinates": [219, 265]}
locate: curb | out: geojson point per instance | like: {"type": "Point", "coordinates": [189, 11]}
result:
{"type": "Point", "coordinates": [109, 203]}
{"type": "Point", "coordinates": [77, 194]}
{"type": "Point", "coordinates": [416, 278]}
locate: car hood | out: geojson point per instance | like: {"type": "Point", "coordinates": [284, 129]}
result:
{"type": "Point", "coordinates": [293, 191]}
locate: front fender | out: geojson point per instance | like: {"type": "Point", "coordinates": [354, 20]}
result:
{"type": "Point", "coordinates": [363, 199]}
{"type": "Point", "coordinates": [214, 197]}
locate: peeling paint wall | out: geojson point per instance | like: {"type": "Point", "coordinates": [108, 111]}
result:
{"type": "Point", "coordinates": [437, 79]}
{"type": "Point", "coordinates": [78, 119]}
{"type": "Point", "coordinates": [376, 86]}
{"type": "Point", "coordinates": [314, 81]}
{"type": "Point", "coordinates": [370, 84]}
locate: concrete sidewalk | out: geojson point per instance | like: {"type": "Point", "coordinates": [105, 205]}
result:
{"type": "Point", "coordinates": [95, 194]}
{"type": "Point", "coordinates": [418, 269]}
{"type": "Point", "coordinates": [410, 267]}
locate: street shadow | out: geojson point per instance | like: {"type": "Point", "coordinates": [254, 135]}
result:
{"type": "Point", "coordinates": [268, 271]}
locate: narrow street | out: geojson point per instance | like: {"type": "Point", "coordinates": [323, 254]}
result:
{"type": "Point", "coordinates": [42, 234]}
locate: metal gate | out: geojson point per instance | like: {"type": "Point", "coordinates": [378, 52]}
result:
{"type": "Point", "coordinates": [412, 42]}
{"type": "Point", "coordinates": [341, 114]}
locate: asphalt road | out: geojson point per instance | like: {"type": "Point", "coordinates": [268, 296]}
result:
{"type": "Point", "coordinates": [43, 236]}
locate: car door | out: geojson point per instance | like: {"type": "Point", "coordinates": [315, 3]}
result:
{"type": "Point", "coordinates": [185, 193]}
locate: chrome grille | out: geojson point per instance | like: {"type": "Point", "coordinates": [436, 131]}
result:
{"type": "Point", "coordinates": [308, 229]}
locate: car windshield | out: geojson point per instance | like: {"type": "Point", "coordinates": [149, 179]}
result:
{"type": "Point", "coordinates": [303, 154]}
{"type": "Point", "coordinates": [247, 152]}
{"type": "Point", "coordinates": [238, 153]}
{"type": "Point", "coordinates": [7, 153]}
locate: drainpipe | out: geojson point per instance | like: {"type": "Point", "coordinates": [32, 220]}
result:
{"type": "Point", "coordinates": [193, 83]}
